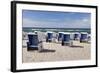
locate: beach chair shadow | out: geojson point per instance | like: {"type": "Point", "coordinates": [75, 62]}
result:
{"type": "Point", "coordinates": [76, 46]}
{"type": "Point", "coordinates": [46, 51]}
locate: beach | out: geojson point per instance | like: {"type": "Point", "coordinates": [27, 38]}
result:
{"type": "Point", "coordinates": [56, 52]}
{"type": "Point", "coordinates": [55, 29]}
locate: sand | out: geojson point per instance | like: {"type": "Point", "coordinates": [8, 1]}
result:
{"type": "Point", "coordinates": [57, 52]}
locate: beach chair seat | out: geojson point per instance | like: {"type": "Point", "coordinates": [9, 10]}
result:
{"type": "Point", "coordinates": [33, 43]}
{"type": "Point", "coordinates": [33, 46]}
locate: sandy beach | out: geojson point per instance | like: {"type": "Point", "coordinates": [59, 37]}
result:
{"type": "Point", "coordinates": [57, 52]}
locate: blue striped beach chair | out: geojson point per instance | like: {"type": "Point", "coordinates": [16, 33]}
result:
{"type": "Point", "coordinates": [84, 37]}
{"type": "Point", "coordinates": [76, 36]}
{"type": "Point", "coordinates": [60, 36]}
{"type": "Point", "coordinates": [49, 37]}
{"type": "Point", "coordinates": [66, 40]}
{"type": "Point", "coordinates": [34, 43]}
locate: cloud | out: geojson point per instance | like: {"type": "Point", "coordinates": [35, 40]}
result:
{"type": "Point", "coordinates": [77, 23]}
{"type": "Point", "coordinates": [85, 20]}
{"type": "Point", "coordinates": [33, 23]}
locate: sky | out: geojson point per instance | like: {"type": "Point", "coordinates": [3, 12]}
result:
{"type": "Point", "coordinates": [52, 19]}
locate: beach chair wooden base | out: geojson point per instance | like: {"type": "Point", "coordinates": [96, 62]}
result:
{"type": "Point", "coordinates": [83, 41]}
{"type": "Point", "coordinates": [67, 43]}
{"type": "Point", "coordinates": [30, 49]}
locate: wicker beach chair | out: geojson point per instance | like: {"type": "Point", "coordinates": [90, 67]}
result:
{"type": "Point", "coordinates": [84, 37]}
{"type": "Point", "coordinates": [66, 40]}
{"type": "Point", "coordinates": [34, 43]}
{"type": "Point", "coordinates": [76, 36]}
{"type": "Point", "coordinates": [60, 35]}
{"type": "Point", "coordinates": [49, 37]}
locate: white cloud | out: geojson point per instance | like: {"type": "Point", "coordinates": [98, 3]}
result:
{"type": "Point", "coordinates": [33, 23]}
{"type": "Point", "coordinates": [86, 20]}
{"type": "Point", "coordinates": [82, 23]}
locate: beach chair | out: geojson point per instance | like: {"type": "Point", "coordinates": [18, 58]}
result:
{"type": "Point", "coordinates": [66, 39]}
{"type": "Point", "coordinates": [84, 37]}
{"type": "Point", "coordinates": [60, 36]}
{"type": "Point", "coordinates": [49, 37]}
{"type": "Point", "coordinates": [34, 43]}
{"type": "Point", "coordinates": [76, 36]}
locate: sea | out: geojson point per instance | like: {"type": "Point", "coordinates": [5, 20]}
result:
{"type": "Point", "coordinates": [30, 29]}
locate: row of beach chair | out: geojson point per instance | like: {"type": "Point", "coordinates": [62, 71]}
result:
{"type": "Point", "coordinates": [66, 37]}
{"type": "Point", "coordinates": [61, 37]}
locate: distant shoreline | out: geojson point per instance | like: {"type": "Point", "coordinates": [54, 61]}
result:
{"type": "Point", "coordinates": [31, 29]}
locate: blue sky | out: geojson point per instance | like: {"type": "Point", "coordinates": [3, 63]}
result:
{"type": "Point", "coordinates": [52, 19]}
